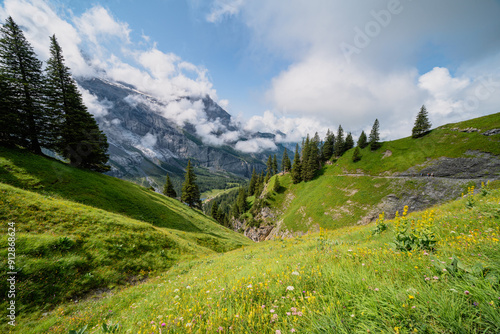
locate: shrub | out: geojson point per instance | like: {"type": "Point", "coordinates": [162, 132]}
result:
{"type": "Point", "coordinates": [414, 234]}
{"type": "Point", "coordinates": [381, 225]}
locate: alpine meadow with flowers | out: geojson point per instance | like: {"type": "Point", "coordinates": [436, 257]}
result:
{"type": "Point", "coordinates": [124, 259]}
{"type": "Point", "coordinates": [354, 279]}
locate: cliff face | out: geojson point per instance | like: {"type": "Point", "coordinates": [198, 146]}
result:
{"type": "Point", "coordinates": [144, 143]}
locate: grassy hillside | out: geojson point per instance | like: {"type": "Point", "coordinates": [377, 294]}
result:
{"type": "Point", "coordinates": [50, 177]}
{"type": "Point", "coordinates": [78, 231]}
{"type": "Point", "coordinates": [65, 249]}
{"type": "Point", "coordinates": [343, 193]}
{"type": "Point", "coordinates": [444, 141]}
{"type": "Point", "coordinates": [329, 201]}
{"type": "Point", "coordinates": [349, 280]}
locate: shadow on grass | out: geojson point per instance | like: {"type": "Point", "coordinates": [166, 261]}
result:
{"type": "Point", "coordinates": [89, 188]}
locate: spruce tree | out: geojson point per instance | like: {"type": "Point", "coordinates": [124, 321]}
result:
{"type": "Point", "coordinates": [285, 162]}
{"type": "Point", "coordinates": [310, 158]}
{"type": "Point", "coordinates": [190, 192]}
{"type": "Point", "coordinates": [268, 176]}
{"type": "Point", "coordinates": [275, 165]}
{"type": "Point", "coordinates": [422, 124]}
{"type": "Point", "coordinates": [23, 71]}
{"type": "Point", "coordinates": [328, 146]}
{"type": "Point", "coordinates": [339, 142]}
{"type": "Point", "coordinates": [242, 201]}
{"type": "Point", "coordinates": [356, 155]}
{"type": "Point", "coordinates": [215, 211]}
{"type": "Point", "coordinates": [306, 152]}
{"type": "Point", "coordinates": [297, 166]}
{"type": "Point", "coordinates": [349, 142]}
{"type": "Point", "coordinates": [235, 211]}
{"type": "Point", "coordinates": [259, 187]}
{"type": "Point", "coordinates": [168, 189]}
{"type": "Point", "coordinates": [362, 140]}
{"type": "Point", "coordinates": [277, 184]}
{"type": "Point", "coordinates": [374, 136]}
{"type": "Point", "coordinates": [10, 134]}
{"type": "Point", "coordinates": [269, 165]}
{"type": "Point", "coordinates": [80, 140]}
{"type": "Point", "coordinates": [253, 182]}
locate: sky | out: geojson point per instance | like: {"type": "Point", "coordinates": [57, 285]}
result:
{"type": "Point", "coordinates": [292, 66]}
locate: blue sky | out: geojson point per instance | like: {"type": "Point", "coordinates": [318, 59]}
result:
{"type": "Point", "coordinates": [238, 72]}
{"type": "Point", "coordinates": [289, 65]}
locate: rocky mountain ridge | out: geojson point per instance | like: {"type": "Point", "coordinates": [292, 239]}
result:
{"type": "Point", "coordinates": [144, 144]}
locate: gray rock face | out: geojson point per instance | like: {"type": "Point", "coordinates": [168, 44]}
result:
{"type": "Point", "coordinates": [144, 143]}
{"type": "Point", "coordinates": [419, 193]}
{"type": "Point", "coordinates": [474, 165]}
{"type": "Point", "coordinates": [492, 132]}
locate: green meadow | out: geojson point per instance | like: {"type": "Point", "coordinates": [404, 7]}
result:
{"type": "Point", "coordinates": [347, 280]}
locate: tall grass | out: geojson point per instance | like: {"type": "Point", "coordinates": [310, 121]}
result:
{"type": "Point", "coordinates": [349, 280]}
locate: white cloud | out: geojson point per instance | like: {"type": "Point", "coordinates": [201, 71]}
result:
{"type": "Point", "coordinates": [95, 107]}
{"type": "Point", "coordinates": [159, 64]}
{"type": "Point", "coordinates": [39, 21]}
{"type": "Point", "coordinates": [441, 84]}
{"type": "Point", "coordinates": [149, 140]}
{"type": "Point", "coordinates": [222, 8]}
{"type": "Point", "coordinates": [455, 98]}
{"type": "Point", "coordinates": [256, 145]}
{"type": "Point", "coordinates": [295, 129]}
{"type": "Point", "coordinates": [336, 93]}
{"type": "Point", "coordinates": [97, 23]}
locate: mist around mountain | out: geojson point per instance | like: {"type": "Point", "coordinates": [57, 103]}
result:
{"type": "Point", "coordinates": [149, 137]}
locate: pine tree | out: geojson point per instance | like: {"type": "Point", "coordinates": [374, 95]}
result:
{"type": "Point", "coordinates": [269, 165]}
{"type": "Point", "coordinates": [422, 124]}
{"type": "Point", "coordinates": [362, 140]}
{"type": "Point", "coordinates": [235, 210]}
{"type": "Point", "coordinates": [259, 187]}
{"type": "Point", "coordinates": [328, 146]}
{"type": "Point", "coordinates": [285, 162]}
{"type": "Point", "coordinates": [277, 184]}
{"type": "Point", "coordinates": [311, 164]}
{"type": "Point", "coordinates": [306, 152]}
{"type": "Point", "coordinates": [275, 165]}
{"type": "Point", "coordinates": [190, 192]}
{"type": "Point", "coordinates": [10, 134]}
{"type": "Point", "coordinates": [215, 211]}
{"type": "Point", "coordinates": [296, 168]}
{"type": "Point", "coordinates": [168, 189]}
{"type": "Point", "coordinates": [374, 136]}
{"type": "Point", "coordinates": [339, 142]}
{"type": "Point", "coordinates": [222, 218]}
{"type": "Point", "coordinates": [268, 176]}
{"type": "Point", "coordinates": [253, 182]}
{"type": "Point", "coordinates": [356, 155]}
{"type": "Point", "coordinates": [242, 201]}
{"type": "Point", "coordinates": [349, 142]}
{"type": "Point", "coordinates": [81, 141]}
{"type": "Point", "coordinates": [23, 71]}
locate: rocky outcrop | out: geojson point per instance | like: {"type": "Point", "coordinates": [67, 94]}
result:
{"type": "Point", "coordinates": [473, 165]}
{"type": "Point", "coordinates": [491, 132]}
{"type": "Point", "coordinates": [419, 193]}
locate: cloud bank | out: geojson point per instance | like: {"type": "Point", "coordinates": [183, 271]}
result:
{"type": "Point", "coordinates": [354, 61]}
